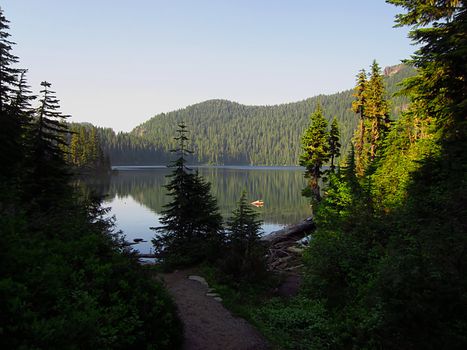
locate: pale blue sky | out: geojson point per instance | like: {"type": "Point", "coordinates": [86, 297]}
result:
{"type": "Point", "coordinates": [118, 62]}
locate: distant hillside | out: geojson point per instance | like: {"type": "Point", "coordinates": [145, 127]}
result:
{"type": "Point", "coordinates": [225, 132]}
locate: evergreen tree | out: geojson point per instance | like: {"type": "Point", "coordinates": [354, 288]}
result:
{"type": "Point", "coordinates": [83, 150]}
{"type": "Point", "coordinates": [93, 146]}
{"type": "Point", "coordinates": [48, 175]}
{"type": "Point", "coordinates": [392, 276]}
{"type": "Point", "coordinates": [84, 154]}
{"type": "Point", "coordinates": [358, 106]}
{"type": "Point", "coordinates": [10, 121]}
{"type": "Point", "coordinates": [334, 142]}
{"type": "Point", "coordinates": [22, 113]}
{"type": "Point", "coordinates": [315, 146]}
{"type": "Point", "coordinates": [372, 108]}
{"type": "Point", "coordinates": [65, 282]}
{"type": "Point", "coordinates": [246, 254]}
{"type": "Point", "coordinates": [349, 169]}
{"type": "Point", "coordinates": [8, 74]}
{"type": "Point", "coordinates": [192, 225]}
{"type": "Point", "coordinates": [21, 103]}
{"type": "Point", "coordinates": [75, 149]}
{"type": "Point", "coordinates": [376, 109]}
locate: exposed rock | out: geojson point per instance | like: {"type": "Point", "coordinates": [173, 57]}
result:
{"type": "Point", "coordinates": [391, 70]}
{"type": "Point", "coordinates": [212, 294]}
{"type": "Point", "coordinates": [198, 279]}
{"type": "Point", "coordinates": [219, 299]}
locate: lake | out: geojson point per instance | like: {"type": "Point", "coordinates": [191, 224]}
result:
{"type": "Point", "coordinates": [136, 196]}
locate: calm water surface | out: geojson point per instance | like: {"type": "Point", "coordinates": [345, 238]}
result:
{"type": "Point", "coordinates": [136, 196]}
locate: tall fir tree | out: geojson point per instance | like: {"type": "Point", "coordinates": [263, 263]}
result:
{"type": "Point", "coordinates": [191, 229]}
{"type": "Point", "coordinates": [48, 174]}
{"type": "Point", "coordinates": [84, 152]}
{"type": "Point", "coordinates": [372, 108]}
{"type": "Point", "coordinates": [21, 102]}
{"type": "Point", "coordinates": [376, 110]}
{"type": "Point", "coordinates": [315, 146]}
{"type": "Point", "coordinates": [10, 121]}
{"type": "Point", "coordinates": [245, 259]}
{"type": "Point", "coordinates": [75, 149]}
{"type": "Point", "coordinates": [8, 74]}
{"type": "Point", "coordinates": [358, 107]}
{"type": "Point", "coordinates": [23, 113]}
{"type": "Point", "coordinates": [334, 143]}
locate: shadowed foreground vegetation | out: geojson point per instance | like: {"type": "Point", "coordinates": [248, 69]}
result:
{"type": "Point", "coordinates": [66, 282]}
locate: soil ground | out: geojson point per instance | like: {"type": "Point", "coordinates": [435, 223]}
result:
{"type": "Point", "coordinates": [208, 325]}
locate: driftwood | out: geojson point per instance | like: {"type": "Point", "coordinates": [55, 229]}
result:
{"type": "Point", "coordinates": [147, 256]}
{"type": "Point", "coordinates": [127, 244]}
{"type": "Point", "coordinates": [135, 241]}
{"type": "Point", "coordinates": [284, 253]}
{"type": "Point", "coordinates": [292, 232]}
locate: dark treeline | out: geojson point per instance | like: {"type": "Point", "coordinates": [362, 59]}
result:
{"type": "Point", "coordinates": [83, 150]}
{"type": "Point", "coordinates": [66, 279]}
{"type": "Point", "coordinates": [226, 132]}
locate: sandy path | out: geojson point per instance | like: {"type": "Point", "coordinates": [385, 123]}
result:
{"type": "Point", "coordinates": [208, 325]}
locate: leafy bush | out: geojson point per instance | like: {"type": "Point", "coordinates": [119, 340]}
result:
{"type": "Point", "coordinates": [66, 285]}
{"type": "Point", "coordinates": [296, 324]}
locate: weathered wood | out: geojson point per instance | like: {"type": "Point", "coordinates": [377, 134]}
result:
{"type": "Point", "coordinates": [147, 256]}
{"type": "Point", "coordinates": [135, 241]}
{"type": "Point", "coordinates": [284, 250]}
{"type": "Point", "coordinates": [128, 244]}
{"type": "Point", "coordinates": [292, 232]}
{"type": "Point", "coordinates": [295, 250]}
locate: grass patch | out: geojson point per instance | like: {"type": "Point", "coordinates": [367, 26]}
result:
{"type": "Point", "coordinates": [295, 323]}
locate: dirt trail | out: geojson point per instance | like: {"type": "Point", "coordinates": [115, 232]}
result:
{"type": "Point", "coordinates": [208, 325]}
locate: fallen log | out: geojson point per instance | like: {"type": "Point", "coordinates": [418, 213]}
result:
{"type": "Point", "coordinates": [135, 241]}
{"type": "Point", "coordinates": [147, 256]}
{"type": "Point", "coordinates": [292, 232]}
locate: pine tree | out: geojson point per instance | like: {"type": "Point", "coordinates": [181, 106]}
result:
{"type": "Point", "coordinates": [334, 142]}
{"type": "Point", "coordinates": [358, 106]}
{"type": "Point", "coordinates": [372, 108]}
{"type": "Point", "coordinates": [48, 175]}
{"type": "Point", "coordinates": [94, 147]}
{"type": "Point", "coordinates": [439, 89]}
{"type": "Point", "coordinates": [376, 109]}
{"type": "Point", "coordinates": [245, 254]}
{"type": "Point", "coordinates": [75, 149]}
{"type": "Point", "coordinates": [8, 74]}
{"type": "Point", "coordinates": [84, 152]}
{"type": "Point", "coordinates": [23, 97]}
{"type": "Point", "coordinates": [192, 225]}
{"type": "Point", "coordinates": [10, 120]}
{"type": "Point", "coordinates": [315, 146]}
{"type": "Point", "coordinates": [21, 113]}
{"type": "Point", "coordinates": [349, 170]}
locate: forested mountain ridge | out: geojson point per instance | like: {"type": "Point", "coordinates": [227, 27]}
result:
{"type": "Point", "coordinates": [225, 132]}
